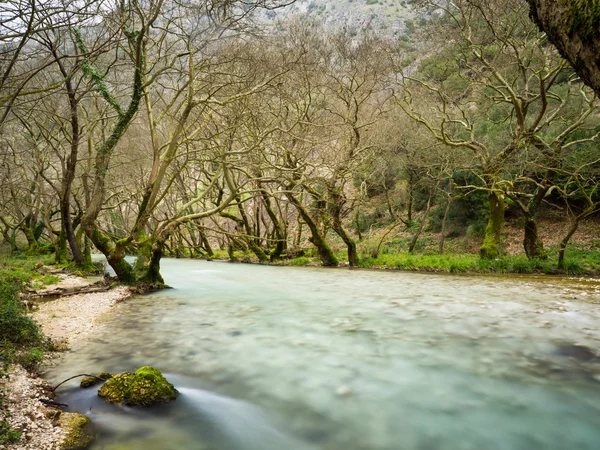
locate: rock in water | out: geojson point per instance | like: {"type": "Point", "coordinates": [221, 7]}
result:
{"type": "Point", "coordinates": [78, 434]}
{"type": "Point", "coordinates": [144, 387]}
{"type": "Point", "coordinates": [92, 381]}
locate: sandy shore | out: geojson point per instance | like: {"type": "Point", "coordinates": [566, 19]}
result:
{"type": "Point", "coordinates": [66, 320]}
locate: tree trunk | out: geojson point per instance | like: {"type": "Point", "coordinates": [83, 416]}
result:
{"type": "Point", "coordinates": [279, 234]}
{"type": "Point", "coordinates": [60, 247]}
{"type": "Point", "coordinates": [152, 274]}
{"type": "Point", "coordinates": [415, 238]}
{"type": "Point", "coordinates": [409, 207]}
{"type": "Point", "coordinates": [338, 202]}
{"type": "Point", "coordinates": [325, 253]}
{"type": "Point", "coordinates": [534, 247]}
{"type": "Point", "coordinates": [357, 222]}
{"type": "Point", "coordinates": [230, 252]}
{"type": "Point", "coordinates": [572, 26]}
{"type": "Point", "coordinates": [115, 254]}
{"type": "Point", "coordinates": [9, 236]}
{"type": "Point", "coordinates": [84, 243]}
{"type": "Point", "coordinates": [445, 219]}
{"type": "Point", "coordinates": [28, 231]}
{"type": "Point", "coordinates": [250, 239]}
{"type": "Point", "coordinates": [298, 237]}
{"type": "Point", "coordinates": [67, 233]}
{"type": "Point", "coordinates": [565, 241]}
{"type": "Point", "coordinates": [492, 242]}
{"type": "Point", "coordinates": [592, 207]}
{"type": "Point", "coordinates": [205, 244]}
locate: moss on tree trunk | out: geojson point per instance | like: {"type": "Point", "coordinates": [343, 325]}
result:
{"type": "Point", "coordinates": [492, 242]}
{"type": "Point", "coordinates": [325, 253]}
{"type": "Point", "coordinates": [534, 247]}
{"type": "Point", "coordinates": [152, 274]}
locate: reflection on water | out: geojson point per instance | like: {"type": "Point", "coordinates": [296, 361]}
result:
{"type": "Point", "coordinates": [309, 358]}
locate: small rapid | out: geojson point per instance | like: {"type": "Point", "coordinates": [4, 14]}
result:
{"type": "Point", "coordinates": [310, 358]}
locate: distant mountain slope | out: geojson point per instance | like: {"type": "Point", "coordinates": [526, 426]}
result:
{"type": "Point", "coordinates": [389, 17]}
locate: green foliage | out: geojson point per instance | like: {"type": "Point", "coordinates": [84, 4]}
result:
{"type": "Point", "coordinates": [579, 260]}
{"type": "Point", "coordinates": [21, 341]}
{"type": "Point", "coordinates": [50, 279]}
{"type": "Point", "coordinates": [8, 435]}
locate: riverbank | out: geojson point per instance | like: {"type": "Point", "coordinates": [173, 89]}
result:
{"type": "Point", "coordinates": [583, 263]}
{"type": "Point", "coordinates": [386, 250]}
{"type": "Point", "coordinates": [30, 424]}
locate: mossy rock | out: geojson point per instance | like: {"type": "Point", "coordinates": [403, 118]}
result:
{"type": "Point", "coordinates": [92, 381]}
{"type": "Point", "coordinates": [144, 387]}
{"type": "Point", "coordinates": [78, 433]}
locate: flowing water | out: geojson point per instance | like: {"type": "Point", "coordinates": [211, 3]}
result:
{"type": "Point", "coordinates": [282, 358]}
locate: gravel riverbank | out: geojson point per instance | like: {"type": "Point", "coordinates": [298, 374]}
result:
{"type": "Point", "coordinates": [66, 320]}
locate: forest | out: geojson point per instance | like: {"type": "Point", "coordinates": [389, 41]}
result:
{"type": "Point", "coordinates": [201, 129]}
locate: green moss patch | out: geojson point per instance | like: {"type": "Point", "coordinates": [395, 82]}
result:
{"type": "Point", "coordinates": [78, 433]}
{"type": "Point", "coordinates": [144, 387]}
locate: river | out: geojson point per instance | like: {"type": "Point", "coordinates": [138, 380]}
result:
{"type": "Point", "coordinates": [295, 358]}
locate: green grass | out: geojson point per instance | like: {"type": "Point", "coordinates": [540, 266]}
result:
{"type": "Point", "coordinates": [393, 255]}
{"type": "Point", "coordinates": [576, 263]}
{"type": "Point", "coordinates": [300, 261]}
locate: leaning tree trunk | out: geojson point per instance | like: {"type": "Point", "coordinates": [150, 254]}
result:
{"type": "Point", "coordinates": [205, 243]}
{"type": "Point", "coordinates": [592, 207]}
{"type": "Point", "coordinates": [565, 241]}
{"type": "Point", "coordinates": [492, 242]}
{"type": "Point", "coordinates": [415, 238]}
{"type": "Point", "coordinates": [574, 28]}
{"type": "Point", "coordinates": [325, 253]}
{"type": "Point", "coordinates": [338, 202]}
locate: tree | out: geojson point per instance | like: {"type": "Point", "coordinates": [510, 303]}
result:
{"type": "Point", "coordinates": [573, 26]}
{"type": "Point", "coordinates": [504, 98]}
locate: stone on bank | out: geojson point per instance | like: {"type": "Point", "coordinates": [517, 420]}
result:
{"type": "Point", "coordinates": [77, 430]}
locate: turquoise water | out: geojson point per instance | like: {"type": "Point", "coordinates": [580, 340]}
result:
{"type": "Point", "coordinates": [311, 358]}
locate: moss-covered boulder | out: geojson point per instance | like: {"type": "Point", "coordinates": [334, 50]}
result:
{"type": "Point", "coordinates": [77, 431]}
{"type": "Point", "coordinates": [92, 381]}
{"type": "Point", "coordinates": [144, 387]}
